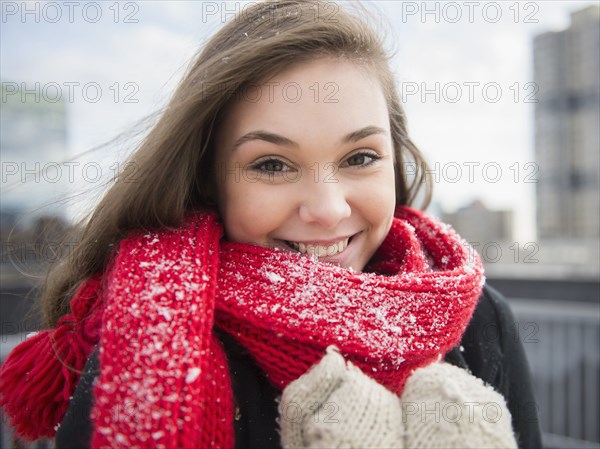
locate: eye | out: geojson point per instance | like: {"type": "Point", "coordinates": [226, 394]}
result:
{"type": "Point", "coordinates": [361, 159]}
{"type": "Point", "coordinates": [270, 166]}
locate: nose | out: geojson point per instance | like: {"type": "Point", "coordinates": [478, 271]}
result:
{"type": "Point", "coordinates": [325, 203]}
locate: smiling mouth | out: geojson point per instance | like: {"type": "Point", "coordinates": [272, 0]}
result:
{"type": "Point", "coordinates": [319, 250]}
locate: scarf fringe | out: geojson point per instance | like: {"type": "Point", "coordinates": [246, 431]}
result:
{"type": "Point", "coordinates": [162, 292]}
{"type": "Point", "coordinates": [40, 374]}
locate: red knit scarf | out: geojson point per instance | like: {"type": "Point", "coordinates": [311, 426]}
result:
{"type": "Point", "coordinates": [164, 379]}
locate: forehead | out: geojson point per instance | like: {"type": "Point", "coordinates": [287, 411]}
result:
{"type": "Point", "coordinates": [324, 97]}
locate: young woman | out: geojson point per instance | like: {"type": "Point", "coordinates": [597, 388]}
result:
{"type": "Point", "coordinates": [265, 283]}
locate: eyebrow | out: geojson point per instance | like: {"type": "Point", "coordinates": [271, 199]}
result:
{"type": "Point", "coordinates": [276, 139]}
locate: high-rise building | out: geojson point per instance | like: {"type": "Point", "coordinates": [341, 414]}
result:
{"type": "Point", "coordinates": [481, 226]}
{"type": "Point", "coordinates": [567, 118]}
{"type": "Point", "coordinates": [33, 144]}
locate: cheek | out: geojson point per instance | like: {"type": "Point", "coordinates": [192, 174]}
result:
{"type": "Point", "coordinates": [251, 210]}
{"type": "Point", "coordinates": [377, 201]}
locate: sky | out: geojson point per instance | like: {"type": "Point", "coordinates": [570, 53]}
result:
{"type": "Point", "coordinates": [464, 70]}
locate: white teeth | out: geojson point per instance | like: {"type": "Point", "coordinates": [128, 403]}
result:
{"type": "Point", "coordinates": [320, 250]}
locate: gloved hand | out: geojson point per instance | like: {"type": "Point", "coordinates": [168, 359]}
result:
{"type": "Point", "coordinates": [336, 405]}
{"type": "Point", "coordinates": [446, 407]}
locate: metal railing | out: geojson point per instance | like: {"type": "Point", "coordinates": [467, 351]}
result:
{"type": "Point", "coordinates": [562, 342]}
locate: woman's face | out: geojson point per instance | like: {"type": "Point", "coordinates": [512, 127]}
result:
{"type": "Point", "coordinates": [306, 163]}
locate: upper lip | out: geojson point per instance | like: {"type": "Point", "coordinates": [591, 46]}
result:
{"type": "Point", "coordinates": [321, 242]}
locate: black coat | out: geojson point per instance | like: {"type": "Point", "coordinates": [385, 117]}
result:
{"type": "Point", "coordinates": [490, 349]}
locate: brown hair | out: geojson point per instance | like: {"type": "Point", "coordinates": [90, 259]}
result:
{"type": "Point", "coordinates": [175, 162]}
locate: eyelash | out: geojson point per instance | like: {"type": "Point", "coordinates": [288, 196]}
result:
{"type": "Point", "coordinates": [370, 154]}
{"type": "Point", "coordinates": [261, 163]}
{"type": "Point", "coordinates": [257, 166]}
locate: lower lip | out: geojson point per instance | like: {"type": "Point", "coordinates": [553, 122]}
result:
{"type": "Point", "coordinates": [344, 257]}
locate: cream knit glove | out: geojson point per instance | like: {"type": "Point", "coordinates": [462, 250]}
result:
{"type": "Point", "coordinates": [336, 405]}
{"type": "Point", "coordinates": [446, 407]}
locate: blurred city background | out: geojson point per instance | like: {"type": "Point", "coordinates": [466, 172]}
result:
{"type": "Point", "coordinates": [502, 97]}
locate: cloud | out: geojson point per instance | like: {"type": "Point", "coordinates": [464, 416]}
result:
{"type": "Point", "coordinates": [153, 52]}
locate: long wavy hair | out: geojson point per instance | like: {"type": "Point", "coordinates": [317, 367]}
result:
{"type": "Point", "coordinates": [175, 163]}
